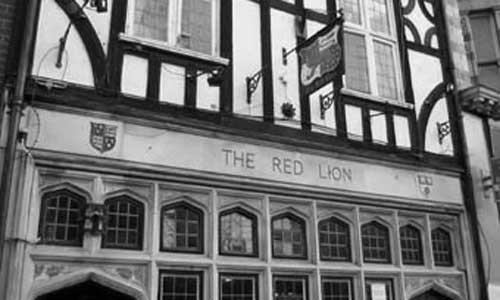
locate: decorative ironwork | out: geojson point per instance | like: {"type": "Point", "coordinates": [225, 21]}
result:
{"type": "Point", "coordinates": [325, 102]}
{"type": "Point", "coordinates": [252, 84]}
{"type": "Point", "coordinates": [288, 110]}
{"type": "Point", "coordinates": [443, 130]}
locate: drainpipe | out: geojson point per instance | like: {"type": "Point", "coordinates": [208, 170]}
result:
{"type": "Point", "coordinates": [16, 108]}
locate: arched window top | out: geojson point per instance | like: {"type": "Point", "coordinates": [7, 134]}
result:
{"type": "Point", "coordinates": [441, 247]}
{"type": "Point", "coordinates": [376, 243]}
{"type": "Point", "coordinates": [411, 245]}
{"type": "Point", "coordinates": [181, 228]}
{"type": "Point", "coordinates": [238, 232]}
{"type": "Point", "coordinates": [334, 240]}
{"type": "Point", "coordinates": [124, 223]}
{"type": "Point", "coordinates": [61, 218]}
{"type": "Point", "coordinates": [289, 236]}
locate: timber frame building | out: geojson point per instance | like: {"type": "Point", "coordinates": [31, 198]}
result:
{"type": "Point", "coordinates": [166, 150]}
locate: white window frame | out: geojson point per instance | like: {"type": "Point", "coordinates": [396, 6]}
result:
{"type": "Point", "coordinates": [183, 274]}
{"type": "Point", "coordinates": [175, 28]}
{"type": "Point", "coordinates": [370, 37]}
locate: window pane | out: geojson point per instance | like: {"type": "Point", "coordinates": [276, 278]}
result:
{"type": "Point", "coordinates": [238, 287]}
{"type": "Point", "coordinates": [151, 19]}
{"type": "Point", "coordinates": [334, 240]}
{"type": "Point", "coordinates": [181, 229]}
{"type": "Point", "coordinates": [196, 33]}
{"type": "Point", "coordinates": [386, 73]}
{"type": "Point", "coordinates": [180, 286]}
{"type": "Point", "coordinates": [288, 237]}
{"type": "Point", "coordinates": [124, 223]}
{"type": "Point", "coordinates": [375, 242]}
{"type": "Point", "coordinates": [441, 248]}
{"type": "Point", "coordinates": [289, 289]}
{"type": "Point", "coordinates": [411, 245]}
{"type": "Point", "coordinates": [236, 234]}
{"type": "Point", "coordinates": [352, 12]}
{"type": "Point", "coordinates": [484, 38]}
{"type": "Point", "coordinates": [356, 63]}
{"type": "Point", "coordinates": [379, 19]}
{"type": "Point", "coordinates": [336, 289]}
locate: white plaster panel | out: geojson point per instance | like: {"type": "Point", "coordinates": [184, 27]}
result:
{"type": "Point", "coordinates": [172, 84]}
{"type": "Point", "coordinates": [76, 67]}
{"type": "Point", "coordinates": [378, 126]}
{"type": "Point", "coordinates": [134, 75]}
{"type": "Point", "coordinates": [246, 56]}
{"type": "Point", "coordinates": [285, 78]}
{"type": "Point", "coordinates": [425, 75]}
{"type": "Point", "coordinates": [146, 145]}
{"type": "Point", "coordinates": [438, 114]}
{"type": "Point", "coordinates": [207, 97]}
{"type": "Point", "coordinates": [402, 131]}
{"type": "Point", "coordinates": [319, 5]}
{"type": "Point", "coordinates": [354, 122]}
{"type": "Point", "coordinates": [420, 21]}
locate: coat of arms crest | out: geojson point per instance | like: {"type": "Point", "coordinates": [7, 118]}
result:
{"type": "Point", "coordinates": [425, 184]}
{"type": "Point", "coordinates": [102, 136]}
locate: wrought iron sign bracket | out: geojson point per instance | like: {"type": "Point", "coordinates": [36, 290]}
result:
{"type": "Point", "coordinates": [325, 102]}
{"type": "Point", "coordinates": [443, 130]}
{"type": "Point", "coordinates": [252, 84]}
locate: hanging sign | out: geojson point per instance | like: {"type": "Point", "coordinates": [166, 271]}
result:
{"type": "Point", "coordinates": [321, 57]}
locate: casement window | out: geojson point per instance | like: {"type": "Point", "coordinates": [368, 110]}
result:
{"type": "Point", "coordinates": [181, 228]}
{"type": "Point", "coordinates": [289, 237]}
{"type": "Point", "coordinates": [336, 288]}
{"type": "Point", "coordinates": [334, 240]}
{"type": "Point", "coordinates": [61, 218]}
{"type": "Point", "coordinates": [371, 57]}
{"type": "Point", "coordinates": [238, 287]}
{"type": "Point", "coordinates": [238, 232]}
{"type": "Point", "coordinates": [411, 245]}
{"type": "Point", "coordinates": [376, 243]}
{"type": "Point", "coordinates": [289, 288]}
{"type": "Point", "coordinates": [124, 223]}
{"type": "Point", "coordinates": [486, 45]}
{"type": "Point", "coordinates": [376, 288]}
{"type": "Point", "coordinates": [186, 24]}
{"type": "Point", "coordinates": [180, 285]}
{"type": "Point", "coordinates": [441, 247]}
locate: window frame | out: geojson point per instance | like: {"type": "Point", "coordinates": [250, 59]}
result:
{"type": "Point", "coordinates": [254, 276]}
{"type": "Point", "coordinates": [42, 223]}
{"type": "Point", "coordinates": [168, 45]}
{"type": "Point", "coordinates": [348, 234]}
{"type": "Point", "coordinates": [348, 280]}
{"type": "Point", "coordinates": [201, 226]}
{"type": "Point", "coordinates": [493, 18]}
{"type": "Point", "coordinates": [370, 37]}
{"type": "Point", "coordinates": [420, 250]}
{"type": "Point", "coordinates": [255, 235]}
{"type": "Point", "coordinates": [303, 279]}
{"type": "Point", "coordinates": [449, 234]}
{"type": "Point", "coordinates": [198, 273]}
{"type": "Point", "coordinates": [140, 223]}
{"type": "Point", "coordinates": [388, 259]}
{"type": "Point", "coordinates": [303, 224]}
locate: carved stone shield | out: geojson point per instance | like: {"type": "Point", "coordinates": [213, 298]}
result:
{"type": "Point", "coordinates": [425, 184]}
{"type": "Point", "coordinates": [102, 136]}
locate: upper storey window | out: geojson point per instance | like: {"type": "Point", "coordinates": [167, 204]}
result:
{"type": "Point", "coordinates": [185, 24]}
{"type": "Point", "coordinates": [371, 43]}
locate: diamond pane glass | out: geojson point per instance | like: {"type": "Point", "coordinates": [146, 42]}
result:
{"type": "Point", "coordinates": [386, 72]}
{"type": "Point", "coordinates": [356, 63]}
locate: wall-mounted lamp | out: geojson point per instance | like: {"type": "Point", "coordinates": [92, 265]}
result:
{"type": "Point", "coordinates": [94, 219]}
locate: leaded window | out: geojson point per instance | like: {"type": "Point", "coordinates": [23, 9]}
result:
{"type": "Point", "coordinates": [371, 48]}
{"type": "Point", "coordinates": [289, 237]}
{"type": "Point", "coordinates": [238, 287]}
{"type": "Point", "coordinates": [289, 288]}
{"type": "Point", "coordinates": [181, 228]}
{"type": "Point", "coordinates": [186, 24]}
{"type": "Point", "coordinates": [336, 288]}
{"type": "Point", "coordinates": [238, 232]}
{"type": "Point", "coordinates": [180, 285]}
{"type": "Point", "coordinates": [124, 223]}
{"type": "Point", "coordinates": [411, 245]}
{"type": "Point", "coordinates": [441, 247]}
{"type": "Point", "coordinates": [61, 218]}
{"type": "Point", "coordinates": [334, 240]}
{"type": "Point", "coordinates": [376, 243]}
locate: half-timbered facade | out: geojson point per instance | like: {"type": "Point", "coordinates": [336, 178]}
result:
{"type": "Point", "coordinates": [169, 151]}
